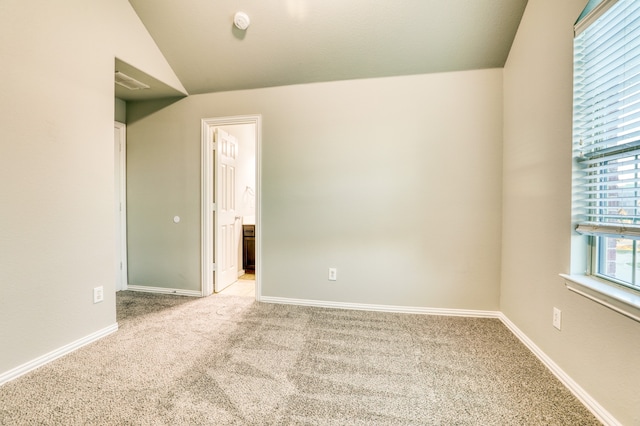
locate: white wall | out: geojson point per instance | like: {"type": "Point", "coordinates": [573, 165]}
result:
{"type": "Point", "coordinates": [395, 182]}
{"type": "Point", "coordinates": [56, 167]}
{"type": "Point", "coordinates": [597, 347]}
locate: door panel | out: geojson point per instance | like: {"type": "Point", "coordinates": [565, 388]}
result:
{"type": "Point", "coordinates": [227, 223]}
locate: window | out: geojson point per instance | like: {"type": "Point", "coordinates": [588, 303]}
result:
{"type": "Point", "coordinates": [606, 138]}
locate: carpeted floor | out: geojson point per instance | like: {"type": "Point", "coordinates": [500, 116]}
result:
{"type": "Point", "coordinates": [227, 360]}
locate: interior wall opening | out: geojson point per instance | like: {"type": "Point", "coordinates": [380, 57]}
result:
{"type": "Point", "coordinates": [230, 193]}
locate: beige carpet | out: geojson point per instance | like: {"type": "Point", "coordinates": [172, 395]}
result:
{"type": "Point", "coordinates": [227, 360]}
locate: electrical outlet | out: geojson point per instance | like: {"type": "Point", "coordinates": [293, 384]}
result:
{"type": "Point", "coordinates": [333, 274]}
{"type": "Point", "coordinates": [98, 294]}
{"type": "Point", "coordinates": [557, 318]}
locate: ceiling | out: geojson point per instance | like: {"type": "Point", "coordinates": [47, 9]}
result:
{"type": "Point", "coordinates": [305, 41]}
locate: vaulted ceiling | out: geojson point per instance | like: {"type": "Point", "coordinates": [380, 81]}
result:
{"type": "Point", "coordinates": [304, 41]}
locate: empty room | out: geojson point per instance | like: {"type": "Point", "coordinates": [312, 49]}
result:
{"type": "Point", "coordinates": [320, 212]}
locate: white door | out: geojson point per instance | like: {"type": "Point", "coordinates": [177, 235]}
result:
{"type": "Point", "coordinates": [227, 221]}
{"type": "Point", "coordinates": [119, 161]}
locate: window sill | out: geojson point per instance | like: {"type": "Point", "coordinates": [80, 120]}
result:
{"type": "Point", "coordinates": [612, 296]}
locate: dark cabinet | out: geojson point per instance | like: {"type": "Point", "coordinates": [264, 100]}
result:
{"type": "Point", "coordinates": [249, 247]}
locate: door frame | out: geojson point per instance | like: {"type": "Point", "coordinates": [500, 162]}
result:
{"type": "Point", "coordinates": [121, 250]}
{"type": "Point", "coordinates": [208, 126]}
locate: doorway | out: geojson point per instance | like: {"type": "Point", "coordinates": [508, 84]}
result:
{"type": "Point", "coordinates": [120, 208]}
{"type": "Point", "coordinates": [230, 158]}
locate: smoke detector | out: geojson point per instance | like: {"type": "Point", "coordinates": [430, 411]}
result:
{"type": "Point", "coordinates": [241, 21]}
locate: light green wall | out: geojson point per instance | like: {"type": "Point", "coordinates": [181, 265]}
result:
{"type": "Point", "coordinates": [395, 182]}
{"type": "Point", "coordinates": [597, 347]}
{"type": "Point", "coordinates": [56, 167]}
{"type": "Point", "coordinates": [120, 111]}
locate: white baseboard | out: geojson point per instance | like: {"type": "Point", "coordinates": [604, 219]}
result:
{"type": "Point", "coordinates": [587, 400]}
{"type": "Point", "coordinates": [162, 290]}
{"type": "Point", "coordinates": [592, 405]}
{"type": "Point", "coordinates": [64, 350]}
{"type": "Point", "coordinates": [382, 308]}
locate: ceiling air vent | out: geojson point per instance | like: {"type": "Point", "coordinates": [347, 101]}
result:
{"type": "Point", "coordinates": [129, 82]}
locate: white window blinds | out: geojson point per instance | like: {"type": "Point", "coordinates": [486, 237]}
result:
{"type": "Point", "coordinates": [607, 121]}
